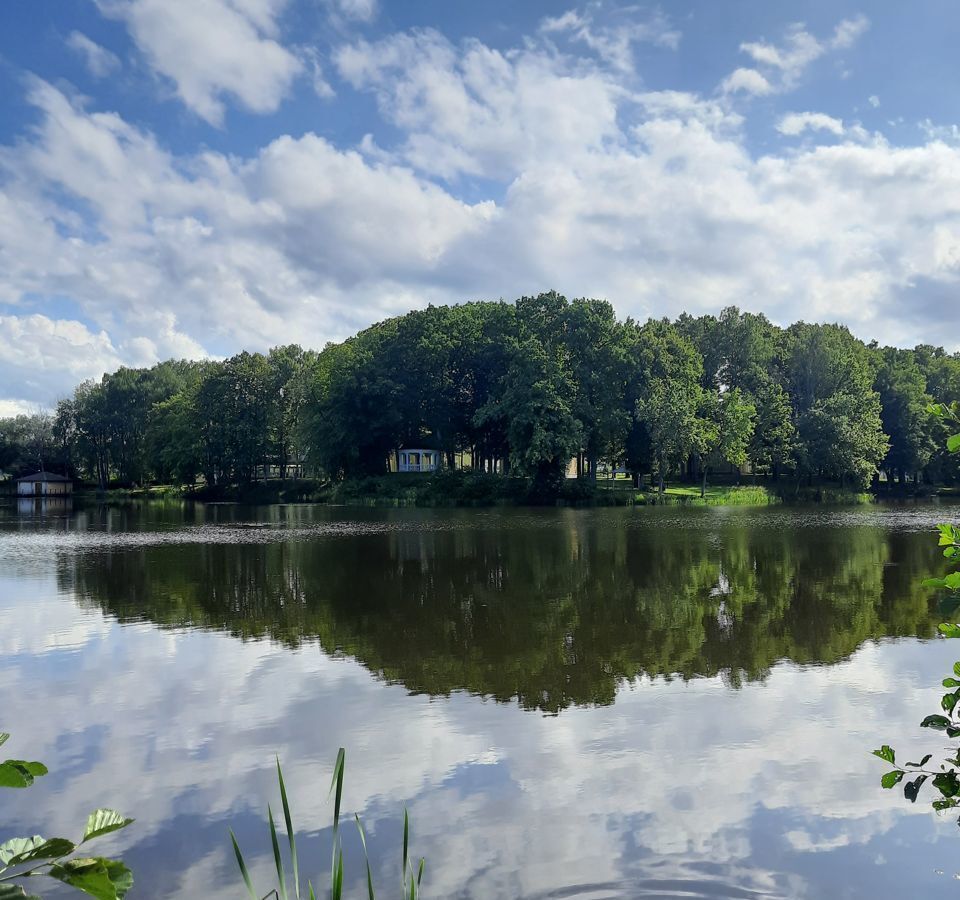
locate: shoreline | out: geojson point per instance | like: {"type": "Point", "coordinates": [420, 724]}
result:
{"type": "Point", "coordinates": [485, 491]}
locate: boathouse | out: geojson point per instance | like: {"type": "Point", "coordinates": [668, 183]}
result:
{"type": "Point", "coordinates": [44, 484]}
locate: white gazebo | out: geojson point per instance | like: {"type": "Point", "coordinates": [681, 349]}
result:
{"type": "Point", "coordinates": [418, 460]}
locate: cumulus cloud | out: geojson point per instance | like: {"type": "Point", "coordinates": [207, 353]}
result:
{"type": "Point", "coordinates": [796, 123]}
{"type": "Point", "coordinates": [99, 61]}
{"type": "Point", "coordinates": [579, 180]}
{"type": "Point", "coordinates": [475, 110]}
{"type": "Point", "coordinates": [213, 48]}
{"type": "Point", "coordinates": [779, 67]}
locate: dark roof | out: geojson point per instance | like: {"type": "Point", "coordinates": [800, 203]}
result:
{"type": "Point", "coordinates": [44, 476]}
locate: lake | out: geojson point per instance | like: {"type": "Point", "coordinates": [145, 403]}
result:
{"type": "Point", "coordinates": [590, 704]}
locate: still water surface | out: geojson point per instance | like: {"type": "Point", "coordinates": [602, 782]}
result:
{"type": "Point", "coordinates": [582, 704]}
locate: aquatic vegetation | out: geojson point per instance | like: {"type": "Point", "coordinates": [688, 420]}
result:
{"type": "Point", "coordinates": [410, 879]}
{"type": "Point", "coordinates": [25, 858]}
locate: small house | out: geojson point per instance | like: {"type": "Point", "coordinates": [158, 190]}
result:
{"type": "Point", "coordinates": [44, 484]}
{"type": "Point", "coordinates": [418, 460]}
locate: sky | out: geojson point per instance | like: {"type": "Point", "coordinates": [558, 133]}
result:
{"type": "Point", "coordinates": [191, 178]}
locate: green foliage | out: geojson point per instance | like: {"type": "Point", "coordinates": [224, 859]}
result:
{"type": "Point", "coordinates": [946, 778]}
{"type": "Point", "coordinates": [24, 858]}
{"type": "Point", "coordinates": [516, 389]}
{"type": "Point", "coordinates": [410, 879]}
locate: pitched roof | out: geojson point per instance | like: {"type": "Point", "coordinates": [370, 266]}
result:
{"type": "Point", "coordinates": [44, 476]}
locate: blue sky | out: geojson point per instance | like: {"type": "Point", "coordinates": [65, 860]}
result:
{"type": "Point", "coordinates": [195, 177]}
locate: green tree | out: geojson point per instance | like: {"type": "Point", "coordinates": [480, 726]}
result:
{"type": "Point", "coordinates": [904, 402]}
{"type": "Point", "coordinates": [671, 397]}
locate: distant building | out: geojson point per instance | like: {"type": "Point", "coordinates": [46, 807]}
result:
{"type": "Point", "coordinates": [44, 484]}
{"type": "Point", "coordinates": [418, 460]}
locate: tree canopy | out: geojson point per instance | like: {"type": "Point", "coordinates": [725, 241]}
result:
{"type": "Point", "coordinates": [519, 388]}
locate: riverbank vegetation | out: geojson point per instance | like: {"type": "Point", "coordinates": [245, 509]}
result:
{"type": "Point", "coordinates": [527, 392]}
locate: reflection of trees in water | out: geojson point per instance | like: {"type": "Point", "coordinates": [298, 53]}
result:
{"type": "Point", "coordinates": [550, 617]}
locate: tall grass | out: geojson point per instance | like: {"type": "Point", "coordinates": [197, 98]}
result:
{"type": "Point", "coordinates": [410, 878]}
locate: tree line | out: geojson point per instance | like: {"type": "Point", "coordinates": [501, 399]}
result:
{"type": "Point", "coordinates": [517, 388]}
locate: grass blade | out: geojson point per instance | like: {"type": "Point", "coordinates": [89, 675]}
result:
{"type": "Point", "coordinates": [366, 857]}
{"type": "Point", "coordinates": [420, 872]}
{"type": "Point", "coordinates": [406, 843]}
{"type": "Point", "coordinates": [289, 823]}
{"type": "Point", "coordinates": [276, 855]}
{"type": "Point", "coordinates": [243, 867]}
{"type": "Point", "coordinates": [310, 894]}
{"type": "Point", "coordinates": [336, 888]}
{"type": "Point", "coordinates": [337, 782]}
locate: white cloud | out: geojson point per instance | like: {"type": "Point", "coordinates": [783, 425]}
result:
{"type": "Point", "coordinates": [873, 100]}
{"type": "Point", "coordinates": [613, 39]}
{"type": "Point", "coordinates": [40, 357]}
{"type": "Point", "coordinates": [796, 123]}
{"type": "Point", "coordinates": [477, 111]}
{"type": "Point", "coordinates": [99, 61]}
{"type": "Point", "coordinates": [780, 67]}
{"type": "Point", "coordinates": [651, 199]}
{"type": "Point", "coordinates": [355, 10]}
{"type": "Point", "coordinates": [212, 48]}
{"type": "Point", "coordinates": [748, 81]}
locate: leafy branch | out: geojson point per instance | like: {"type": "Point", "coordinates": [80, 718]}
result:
{"type": "Point", "coordinates": [28, 857]}
{"type": "Point", "coordinates": [946, 779]}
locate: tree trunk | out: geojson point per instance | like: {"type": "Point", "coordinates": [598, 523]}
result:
{"type": "Point", "coordinates": [592, 462]}
{"type": "Point", "coordinates": [703, 485]}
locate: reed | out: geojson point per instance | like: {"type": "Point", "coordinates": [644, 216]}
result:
{"type": "Point", "coordinates": [410, 878]}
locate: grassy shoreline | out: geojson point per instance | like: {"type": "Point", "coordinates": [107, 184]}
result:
{"type": "Point", "coordinates": [474, 489]}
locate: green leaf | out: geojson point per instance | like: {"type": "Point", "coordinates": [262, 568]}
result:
{"type": "Point", "coordinates": [947, 783]}
{"type": "Point", "coordinates": [15, 846]}
{"type": "Point", "coordinates": [911, 790]}
{"type": "Point", "coordinates": [103, 821]}
{"type": "Point", "coordinates": [956, 669]}
{"type": "Point", "coordinates": [4, 737]}
{"type": "Point", "coordinates": [276, 855]}
{"type": "Point", "coordinates": [938, 722]}
{"type": "Point", "coordinates": [337, 782]}
{"type": "Point", "coordinates": [940, 805]}
{"type": "Point", "coordinates": [886, 753]}
{"type": "Point", "coordinates": [105, 879]}
{"type": "Point", "coordinates": [53, 848]}
{"type": "Point", "coordinates": [949, 701]}
{"type": "Point", "coordinates": [949, 630]}
{"type": "Point", "coordinates": [291, 840]}
{"type": "Point", "coordinates": [18, 773]}
{"type": "Point", "coordinates": [922, 762]}
{"type": "Point", "coordinates": [951, 682]}
{"type": "Point", "coordinates": [336, 883]}
{"type": "Point", "coordinates": [15, 892]}
{"type": "Point", "coordinates": [952, 581]}
{"type": "Point", "coordinates": [953, 443]}
{"type": "Point", "coordinates": [891, 778]}
{"type": "Point", "coordinates": [932, 583]}
{"type": "Point", "coordinates": [363, 841]}
{"type": "Point", "coordinates": [243, 867]}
